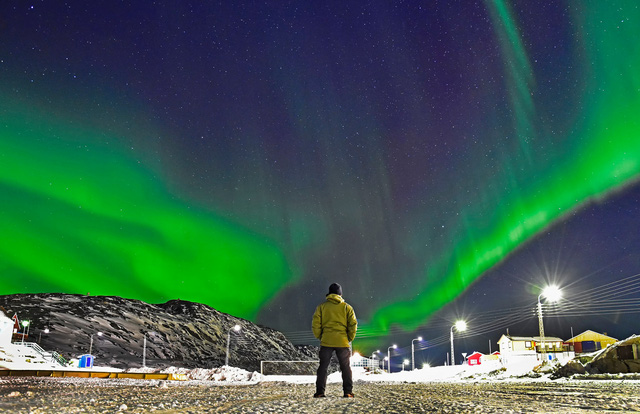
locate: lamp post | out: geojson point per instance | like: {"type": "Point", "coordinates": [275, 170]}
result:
{"type": "Point", "coordinates": [144, 350]}
{"type": "Point", "coordinates": [46, 330]}
{"type": "Point", "coordinates": [373, 357]}
{"type": "Point", "coordinates": [91, 342]}
{"type": "Point", "coordinates": [460, 326]}
{"type": "Point", "coordinates": [25, 324]}
{"type": "Point", "coordinates": [235, 328]}
{"type": "Point", "coordinates": [394, 346]}
{"type": "Point", "coordinates": [552, 293]}
{"type": "Point", "coordinates": [413, 358]}
{"type": "Point", "coordinates": [405, 362]}
{"type": "Point", "coordinates": [384, 359]}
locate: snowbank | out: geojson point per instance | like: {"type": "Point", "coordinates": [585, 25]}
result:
{"type": "Point", "coordinates": [224, 374]}
{"type": "Point", "coordinates": [456, 373]}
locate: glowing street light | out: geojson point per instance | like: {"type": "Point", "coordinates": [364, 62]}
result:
{"type": "Point", "coordinates": [413, 359]}
{"type": "Point", "coordinates": [373, 357]}
{"type": "Point", "coordinates": [394, 346]}
{"type": "Point", "coordinates": [235, 328]}
{"type": "Point", "coordinates": [460, 326]}
{"type": "Point", "coordinates": [46, 330]}
{"type": "Point", "coordinates": [552, 293]}
{"type": "Point", "coordinates": [405, 362]}
{"type": "Point", "coordinates": [91, 343]}
{"type": "Point", "coordinates": [25, 324]}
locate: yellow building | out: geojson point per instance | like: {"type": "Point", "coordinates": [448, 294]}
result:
{"type": "Point", "coordinates": [590, 341]}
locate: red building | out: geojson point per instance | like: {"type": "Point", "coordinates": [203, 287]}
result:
{"type": "Point", "coordinates": [474, 359]}
{"type": "Point", "coordinates": [17, 334]}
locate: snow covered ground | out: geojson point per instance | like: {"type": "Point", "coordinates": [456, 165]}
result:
{"type": "Point", "coordinates": [432, 374]}
{"type": "Point", "coordinates": [492, 372]}
{"type": "Point", "coordinates": [19, 357]}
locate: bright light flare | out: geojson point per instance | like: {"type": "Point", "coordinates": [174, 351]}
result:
{"type": "Point", "coordinates": [461, 326]}
{"type": "Point", "coordinates": [552, 293]}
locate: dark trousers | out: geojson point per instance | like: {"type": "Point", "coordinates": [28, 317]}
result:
{"type": "Point", "coordinates": [343, 355]}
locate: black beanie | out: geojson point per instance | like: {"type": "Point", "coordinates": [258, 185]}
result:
{"type": "Point", "coordinates": [335, 288]}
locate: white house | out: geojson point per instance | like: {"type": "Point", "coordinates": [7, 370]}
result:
{"type": "Point", "coordinates": [525, 345]}
{"type": "Point", "coordinates": [6, 329]}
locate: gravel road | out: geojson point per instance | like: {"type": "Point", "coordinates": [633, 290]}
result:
{"type": "Point", "coordinates": [75, 395]}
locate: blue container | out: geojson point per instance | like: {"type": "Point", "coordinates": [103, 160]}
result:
{"type": "Point", "coordinates": [86, 361]}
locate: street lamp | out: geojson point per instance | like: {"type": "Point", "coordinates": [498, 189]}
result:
{"type": "Point", "coordinates": [394, 346]}
{"type": "Point", "coordinates": [373, 357]}
{"type": "Point", "coordinates": [91, 343]}
{"type": "Point", "coordinates": [46, 330]}
{"type": "Point", "coordinates": [144, 350]}
{"type": "Point", "coordinates": [460, 326]}
{"type": "Point", "coordinates": [235, 328]}
{"type": "Point", "coordinates": [25, 324]}
{"type": "Point", "coordinates": [405, 362]}
{"type": "Point", "coordinates": [384, 359]}
{"type": "Point", "coordinates": [552, 293]}
{"type": "Point", "coordinates": [413, 359]}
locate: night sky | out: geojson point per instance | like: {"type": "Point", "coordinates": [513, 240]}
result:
{"type": "Point", "coordinates": [439, 159]}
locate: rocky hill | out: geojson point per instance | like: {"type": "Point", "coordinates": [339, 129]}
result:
{"type": "Point", "coordinates": [623, 357]}
{"type": "Point", "coordinates": [178, 333]}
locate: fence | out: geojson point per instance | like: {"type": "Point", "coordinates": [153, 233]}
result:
{"type": "Point", "coordinates": [49, 356]}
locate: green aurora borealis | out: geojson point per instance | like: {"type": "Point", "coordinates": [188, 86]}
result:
{"type": "Point", "coordinates": [69, 234]}
{"type": "Point", "coordinates": [605, 157]}
{"type": "Point", "coordinates": [85, 209]}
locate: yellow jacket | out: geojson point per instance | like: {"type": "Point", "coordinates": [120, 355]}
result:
{"type": "Point", "coordinates": [334, 322]}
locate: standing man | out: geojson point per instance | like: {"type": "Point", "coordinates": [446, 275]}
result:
{"type": "Point", "coordinates": [334, 324]}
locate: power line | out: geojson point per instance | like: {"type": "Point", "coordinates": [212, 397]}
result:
{"type": "Point", "coordinates": [610, 298]}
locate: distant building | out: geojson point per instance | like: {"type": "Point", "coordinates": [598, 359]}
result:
{"type": "Point", "coordinates": [494, 356]}
{"type": "Point", "coordinates": [6, 329]}
{"type": "Point", "coordinates": [17, 334]}
{"type": "Point", "coordinates": [524, 345]}
{"type": "Point", "coordinates": [475, 358]}
{"type": "Point", "coordinates": [590, 341]}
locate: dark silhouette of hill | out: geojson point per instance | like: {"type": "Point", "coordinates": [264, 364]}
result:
{"type": "Point", "coordinates": [178, 333]}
